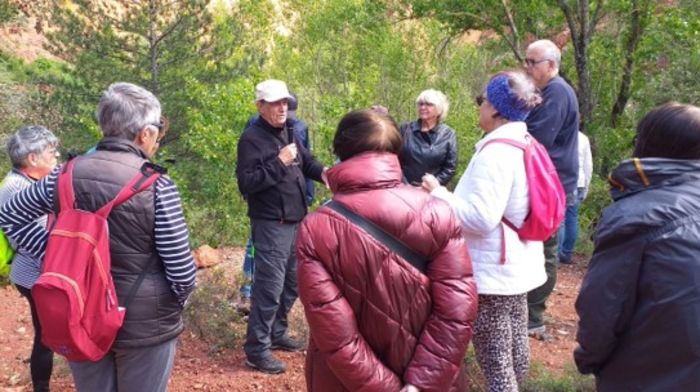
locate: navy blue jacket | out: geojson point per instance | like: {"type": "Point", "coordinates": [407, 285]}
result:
{"type": "Point", "coordinates": [555, 124]}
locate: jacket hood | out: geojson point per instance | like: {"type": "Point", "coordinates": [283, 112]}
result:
{"type": "Point", "coordinates": [371, 170]}
{"type": "Point", "coordinates": [638, 174]}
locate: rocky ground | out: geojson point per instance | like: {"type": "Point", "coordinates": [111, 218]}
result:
{"type": "Point", "coordinates": [203, 366]}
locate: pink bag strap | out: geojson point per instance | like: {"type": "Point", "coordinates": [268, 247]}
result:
{"type": "Point", "coordinates": [506, 222]}
{"type": "Point", "coordinates": [66, 196]}
{"type": "Point", "coordinates": [146, 176]}
{"type": "Point", "coordinates": [503, 245]}
{"type": "Point", "coordinates": [511, 142]}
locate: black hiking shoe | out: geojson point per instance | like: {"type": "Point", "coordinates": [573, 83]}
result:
{"type": "Point", "coordinates": [285, 343]}
{"type": "Point", "coordinates": [269, 365]}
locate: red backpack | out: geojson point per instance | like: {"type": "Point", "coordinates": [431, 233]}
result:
{"type": "Point", "coordinates": [74, 295]}
{"type": "Point", "coordinates": [547, 197]}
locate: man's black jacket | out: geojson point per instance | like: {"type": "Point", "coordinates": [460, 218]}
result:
{"type": "Point", "coordinates": [273, 191]}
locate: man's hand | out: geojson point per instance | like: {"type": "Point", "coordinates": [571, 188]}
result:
{"type": "Point", "coordinates": [430, 182]}
{"type": "Point", "coordinates": [409, 388]}
{"type": "Point", "coordinates": [288, 155]}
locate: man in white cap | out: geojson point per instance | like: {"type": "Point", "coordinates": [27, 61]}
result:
{"type": "Point", "coordinates": [301, 132]}
{"type": "Point", "coordinates": [271, 168]}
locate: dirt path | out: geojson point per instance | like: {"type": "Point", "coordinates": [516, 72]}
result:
{"type": "Point", "coordinates": [198, 368]}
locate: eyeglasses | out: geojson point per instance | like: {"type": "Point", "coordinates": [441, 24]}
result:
{"type": "Point", "coordinates": [480, 99]}
{"type": "Point", "coordinates": [162, 126]}
{"type": "Point", "coordinates": [532, 63]}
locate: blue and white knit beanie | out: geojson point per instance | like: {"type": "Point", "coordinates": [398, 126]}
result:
{"type": "Point", "coordinates": [505, 101]}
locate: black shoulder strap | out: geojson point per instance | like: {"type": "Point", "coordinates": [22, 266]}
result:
{"type": "Point", "coordinates": [417, 260]}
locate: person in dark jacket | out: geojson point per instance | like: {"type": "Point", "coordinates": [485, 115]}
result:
{"type": "Point", "coordinates": [271, 170]}
{"type": "Point", "coordinates": [554, 124]}
{"type": "Point", "coordinates": [147, 235]}
{"type": "Point", "coordinates": [376, 322]}
{"type": "Point", "coordinates": [639, 304]}
{"type": "Point", "coordinates": [301, 132]}
{"type": "Point", "coordinates": [429, 145]}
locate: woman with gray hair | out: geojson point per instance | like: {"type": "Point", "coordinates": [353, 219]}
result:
{"type": "Point", "coordinates": [494, 187]}
{"type": "Point", "coordinates": [152, 265]}
{"type": "Point", "coordinates": [33, 153]}
{"type": "Point", "coordinates": [429, 145]}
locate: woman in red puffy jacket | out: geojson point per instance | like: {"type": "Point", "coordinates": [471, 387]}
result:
{"type": "Point", "coordinates": [376, 322]}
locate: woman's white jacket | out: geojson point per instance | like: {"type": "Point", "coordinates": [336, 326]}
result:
{"type": "Point", "coordinates": [494, 185]}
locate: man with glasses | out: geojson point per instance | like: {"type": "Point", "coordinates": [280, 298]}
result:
{"type": "Point", "coordinates": [554, 124]}
{"type": "Point", "coordinates": [271, 170]}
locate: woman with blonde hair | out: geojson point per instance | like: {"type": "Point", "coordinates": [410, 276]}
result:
{"type": "Point", "coordinates": [429, 145]}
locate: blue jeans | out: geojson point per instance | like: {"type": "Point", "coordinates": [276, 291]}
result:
{"type": "Point", "coordinates": [248, 269]}
{"type": "Point", "coordinates": [568, 232]}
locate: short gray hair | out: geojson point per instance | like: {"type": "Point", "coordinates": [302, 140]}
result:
{"type": "Point", "coordinates": [125, 109]}
{"type": "Point", "coordinates": [437, 98]}
{"type": "Point", "coordinates": [31, 139]}
{"type": "Point", "coordinates": [550, 51]}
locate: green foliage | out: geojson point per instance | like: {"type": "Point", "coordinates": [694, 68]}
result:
{"type": "Point", "coordinates": [196, 63]}
{"type": "Point", "coordinates": [211, 313]}
{"type": "Point", "coordinates": [541, 379]}
{"type": "Point", "coordinates": [24, 96]}
{"type": "Point", "coordinates": [216, 208]}
{"type": "Point", "coordinates": [338, 55]}
{"type": "Point", "coordinates": [7, 11]}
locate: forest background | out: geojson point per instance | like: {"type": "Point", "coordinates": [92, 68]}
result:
{"type": "Point", "coordinates": [203, 58]}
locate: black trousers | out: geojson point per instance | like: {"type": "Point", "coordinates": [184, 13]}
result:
{"type": "Point", "coordinates": [41, 361]}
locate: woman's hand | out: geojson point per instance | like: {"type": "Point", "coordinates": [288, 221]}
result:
{"type": "Point", "coordinates": [409, 388]}
{"type": "Point", "coordinates": [430, 182]}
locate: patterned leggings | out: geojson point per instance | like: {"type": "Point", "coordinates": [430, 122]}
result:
{"type": "Point", "coordinates": [500, 340]}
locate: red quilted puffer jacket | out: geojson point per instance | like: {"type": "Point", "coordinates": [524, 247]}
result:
{"type": "Point", "coordinates": [376, 323]}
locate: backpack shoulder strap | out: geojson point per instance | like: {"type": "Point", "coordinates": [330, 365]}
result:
{"type": "Point", "coordinates": [66, 194]}
{"type": "Point", "coordinates": [511, 142]}
{"type": "Point", "coordinates": [146, 176]}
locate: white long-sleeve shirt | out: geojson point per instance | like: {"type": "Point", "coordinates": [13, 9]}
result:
{"type": "Point", "coordinates": [585, 163]}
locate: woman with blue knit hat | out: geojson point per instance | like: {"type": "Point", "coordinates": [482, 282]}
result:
{"type": "Point", "coordinates": [493, 187]}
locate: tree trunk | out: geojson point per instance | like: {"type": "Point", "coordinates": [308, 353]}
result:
{"type": "Point", "coordinates": [636, 30]}
{"type": "Point", "coordinates": [153, 47]}
{"type": "Point", "coordinates": [582, 28]}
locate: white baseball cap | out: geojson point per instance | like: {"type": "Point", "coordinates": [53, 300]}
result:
{"type": "Point", "coordinates": [271, 90]}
